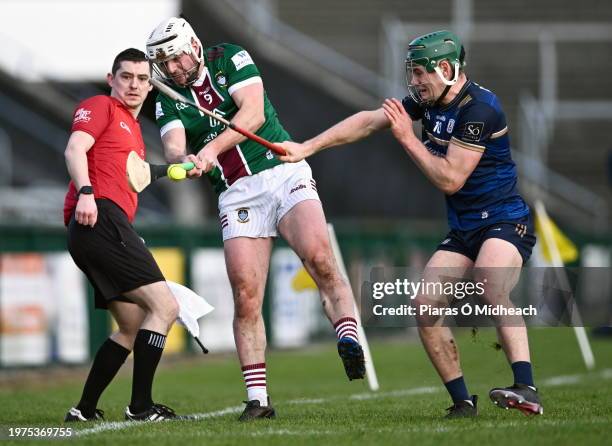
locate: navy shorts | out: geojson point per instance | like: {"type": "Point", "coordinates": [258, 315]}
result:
{"type": "Point", "coordinates": [520, 233]}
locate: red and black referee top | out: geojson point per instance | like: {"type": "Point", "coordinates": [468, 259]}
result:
{"type": "Point", "coordinates": [116, 133]}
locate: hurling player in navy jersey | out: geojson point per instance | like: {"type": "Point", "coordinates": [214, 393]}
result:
{"type": "Point", "coordinates": [465, 152]}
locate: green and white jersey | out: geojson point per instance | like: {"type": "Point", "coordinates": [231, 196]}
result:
{"type": "Point", "coordinates": [227, 69]}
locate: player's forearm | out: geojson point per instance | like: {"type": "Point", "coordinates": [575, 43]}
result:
{"type": "Point", "coordinates": [250, 119]}
{"type": "Point", "coordinates": [353, 128]}
{"type": "Point", "coordinates": [174, 154]}
{"type": "Point", "coordinates": [436, 168]}
{"type": "Point", "coordinates": [76, 162]}
{"type": "Point", "coordinates": [175, 145]}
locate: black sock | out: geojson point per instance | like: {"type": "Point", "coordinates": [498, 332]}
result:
{"type": "Point", "coordinates": [109, 359]}
{"type": "Point", "coordinates": [148, 349]}
{"type": "Point", "coordinates": [522, 373]}
{"type": "Point", "coordinates": [457, 390]}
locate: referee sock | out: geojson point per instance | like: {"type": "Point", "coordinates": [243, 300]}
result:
{"type": "Point", "coordinates": [148, 349]}
{"type": "Point", "coordinates": [522, 373]}
{"type": "Point", "coordinates": [109, 359]}
{"type": "Point", "coordinates": [346, 327]}
{"type": "Point", "coordinates": [255, 381]}
{"type": "Point", "coordinates": [458, 390]}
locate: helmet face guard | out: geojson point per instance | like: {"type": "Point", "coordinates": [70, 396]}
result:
{"type": "Point", "coordinates": [423, 58]}
{"type": "Point", "coordinates": [170, 40]}
{"type": "Point", "coordinates": [420, 87]}
{"type": "Point", "coordinates": [160, 67]}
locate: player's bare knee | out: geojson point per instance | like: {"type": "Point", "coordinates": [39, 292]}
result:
{"type": "Point", "coordinates": [323, 268]}
{"type": "Point", "coordinates": [424, 317]}
{"type": "Point", "coordinates": [128, 330]}
{"type": "Point", "coordinates": [247, 302]}
{"type": "Point", "coordinates": [491, 295]}
{"type": "Point", "coordinates": [247, 313]}
{"type": "Point", "coordinates": [171, 310]}
{"type": "Point", "coordinates": [166, 309]}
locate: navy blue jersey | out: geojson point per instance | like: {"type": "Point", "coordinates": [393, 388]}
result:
{"type": "Point", "coordinates": [475, 121]}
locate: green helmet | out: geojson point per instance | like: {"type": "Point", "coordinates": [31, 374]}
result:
{"type": "Point", "coordinates": [428, 51]}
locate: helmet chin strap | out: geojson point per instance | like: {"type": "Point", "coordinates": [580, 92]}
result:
{"type": "Point", "coordinates": [448, 83]}
{"type": "Point", "coordinates": [442, 96]}
{"type": "Point", "coordinates": [199, 59]}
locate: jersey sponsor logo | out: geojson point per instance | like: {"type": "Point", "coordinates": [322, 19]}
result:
{"type": "Point", "coordinates": [473, 131]}
{"type": "Point", "coordinates": [212, 121]}
{"type": "Point", "coordinates": [450, 126]}
{"type": "Point", "coordinates": [243, 215]}
{"type": "Point", "coordinates": [158, 110]}
{"type": "Point", "coordinates": [125, 127]}
{"type": "Point", "coordinates": [484, 215]}
{"type": "Point", "coordinates": [210, 137]}
{"type": "Point", "coordinates": [445, 241]}
{"type": "Point", "coordinates": [242, 59]}
{"type": "Point", "coordinates": [82, 115]}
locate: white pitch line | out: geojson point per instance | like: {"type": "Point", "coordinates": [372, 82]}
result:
{"type": "Point", "coordinates": [561, 380]}
{"type": "Point", "coordinates": [396, 393]}
{"type": "Point", "coordinates": [308, 401]}
{"type": "Point", "coordinates": [217, 413]}
{"type": "Point", "coordinates": [548, 382]}
{"type": "Point", "coordinates": [285, 432]}
{"type": "Point", "coordinates": [117, 425]}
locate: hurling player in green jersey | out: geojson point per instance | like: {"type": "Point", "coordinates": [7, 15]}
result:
{"type": "Point", "coordinates": [260, 197]}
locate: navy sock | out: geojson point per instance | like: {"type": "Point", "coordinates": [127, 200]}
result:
{"type": "Point", "coordinates": [458, 390]}
{"type": "Point", "coordinates": [522, 373]}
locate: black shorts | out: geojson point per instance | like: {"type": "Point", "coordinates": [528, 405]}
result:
{"type": "Point", "coordinates": [520, 233]}
{"type": "Point", "coordinates": [111, 254]}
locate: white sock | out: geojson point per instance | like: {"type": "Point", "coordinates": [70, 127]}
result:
{"type": "Point", "coordinates": [255, 381]}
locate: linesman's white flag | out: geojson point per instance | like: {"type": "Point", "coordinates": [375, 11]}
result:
{"type": "Point", "coordinates": [192, 307]}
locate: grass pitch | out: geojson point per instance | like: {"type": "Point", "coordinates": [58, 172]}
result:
{"type": "Point", "coordinates": [316, 404]}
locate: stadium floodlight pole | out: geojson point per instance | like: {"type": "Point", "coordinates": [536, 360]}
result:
{"type": "Point", "coordinates": [176, 96]}
{"type": "Point", "coordinates": [369, 363]}
{"type": "Point", "coordinates": [557, 263]}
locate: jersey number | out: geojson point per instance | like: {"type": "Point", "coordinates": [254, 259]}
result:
{"type": "Point", "coordinates": [438, 127]}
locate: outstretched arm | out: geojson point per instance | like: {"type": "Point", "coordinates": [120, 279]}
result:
{"type": "Point", "coordinates": [448, 173]}
{"type": "Point", "coordinates": [353, 128]}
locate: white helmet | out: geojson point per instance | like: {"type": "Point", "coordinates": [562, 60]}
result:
{"type": "Point", "coordinates": [170, 39]}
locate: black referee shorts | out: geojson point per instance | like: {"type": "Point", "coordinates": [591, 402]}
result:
{"type": "Point", "coordinates": [111, 254]}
